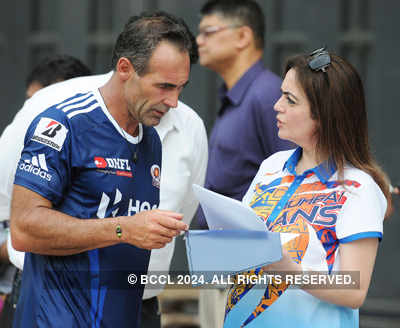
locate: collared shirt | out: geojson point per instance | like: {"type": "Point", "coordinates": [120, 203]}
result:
{"type": "Point", "coordinates": [244, 134]}
{"type": "Point", "coordinates": [184, 162]}
{"type": "Point", "coordinates": [323, 214]}
{"type": "Point", "coordinates": [184, 159]}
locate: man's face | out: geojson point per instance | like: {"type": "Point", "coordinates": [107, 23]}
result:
{"type": "Point", "coordinates": [151, 95]}
{"type": "Point", "coordinates": [216, 41]}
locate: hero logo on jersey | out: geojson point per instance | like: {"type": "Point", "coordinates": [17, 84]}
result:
{"type": "Point", "coordinates": [37, 166]}
{"type": "Point", "coordinates": [133, 207]}
{"type": "Point", "coordinates": [121, 166]}
{"type": "Point", "coordinates": [50, 133]}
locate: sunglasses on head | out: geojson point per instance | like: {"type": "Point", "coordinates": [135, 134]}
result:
{"type": "Point", "coordinates": [319, 60]}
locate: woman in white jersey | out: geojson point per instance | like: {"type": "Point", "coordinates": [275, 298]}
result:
{"type": "Point", "coordinates": [328, 193]}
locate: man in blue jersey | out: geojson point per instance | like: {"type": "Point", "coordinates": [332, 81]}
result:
{"type": "Point", "coordinates": [88, 182]}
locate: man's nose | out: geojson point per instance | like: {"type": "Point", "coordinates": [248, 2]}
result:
{"type": "Point", "coordinates": [172, 100]}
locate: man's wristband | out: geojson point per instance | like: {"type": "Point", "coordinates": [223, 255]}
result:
{"type": "Point", "coordinates": [118, 230]}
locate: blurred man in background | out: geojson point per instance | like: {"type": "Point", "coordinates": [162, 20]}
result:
{"type": "Point", "coordinates": [231, 42]}
{"type": "Point", "coordinates": [54, 69]}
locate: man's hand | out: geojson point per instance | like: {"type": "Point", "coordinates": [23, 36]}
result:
{"type": "Point", "coordinates": [151, 229]}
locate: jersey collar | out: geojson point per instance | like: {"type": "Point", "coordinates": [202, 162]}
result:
{"type": "Point", "coordinates": [123, 133]}
{"type": "Point", "coordinates": [324, 171]}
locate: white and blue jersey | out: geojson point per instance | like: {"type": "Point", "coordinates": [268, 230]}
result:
{"type": "Point", "coordinates": [323, 214]}
{"type": "Point", "coordinates": [78, 157]}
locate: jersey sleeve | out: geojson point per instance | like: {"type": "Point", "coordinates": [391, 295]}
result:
{"type": "Point", "coordinates": [44, 166]}
{"type": "Point", "coordinates": [362, 214]}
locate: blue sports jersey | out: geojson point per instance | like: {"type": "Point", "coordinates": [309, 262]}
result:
{"type": "Point", "coordinates": [78, 157]}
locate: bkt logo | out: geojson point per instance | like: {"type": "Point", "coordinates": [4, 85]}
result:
{"type": "Point", "coordinates": [133, 208]}
{"type": "Point", "coordinates": [37, 166]}
{"type": "Point", "coordinates": [113, 163]}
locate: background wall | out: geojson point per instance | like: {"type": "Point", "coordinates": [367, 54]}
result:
{"type": "Point", "coordinates": [361, 30]}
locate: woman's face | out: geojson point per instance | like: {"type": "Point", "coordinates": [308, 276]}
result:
{"type": "Point", "coordinates": [294, 115]}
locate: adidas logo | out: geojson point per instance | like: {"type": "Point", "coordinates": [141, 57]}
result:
{"type": "Point", "coordinates": [37, 166]}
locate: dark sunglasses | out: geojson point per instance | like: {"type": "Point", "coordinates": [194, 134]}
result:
{"type": "Point", "coordinates": [320, 60]}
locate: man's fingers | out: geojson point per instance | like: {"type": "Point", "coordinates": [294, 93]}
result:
{"type": "Point", "coordinates": [157, 228]}
{"type": "Point", "coordinates": [159, 242]}
{"type": "Point", "coordinates": [175, 215]}
{"type": "Point", "coordinates": [163, 240]}
{"type": "Point", "coordinates": [166, 226]}
{"type": "Point", "coordinates": [160, 230]}
{"type": "Point", "coordinates": [172, 223]}
{"type": "Point", "coordinates": [171, 233]}
{"type": "Point", "coordinates": [158, 246]}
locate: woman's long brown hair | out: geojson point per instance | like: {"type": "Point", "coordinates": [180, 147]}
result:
{"type": "Point", "coordinates": [337, 103]}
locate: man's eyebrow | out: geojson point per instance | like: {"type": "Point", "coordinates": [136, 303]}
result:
{"type": "Point", "coordinates": [166, 84]}
{"type": "Point", "coordinates": [287, 93]}
{"type": "Point", "coordinates": [171, 85]}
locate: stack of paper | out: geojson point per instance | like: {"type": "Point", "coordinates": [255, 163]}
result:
{"type": "Point", "coordinates": [238, 240]}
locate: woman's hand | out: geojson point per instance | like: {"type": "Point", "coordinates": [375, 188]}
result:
{"type": "Point", "coordinates": [287, 263]}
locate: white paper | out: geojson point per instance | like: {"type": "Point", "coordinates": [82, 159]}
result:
{"type": "Point", "coordinates": [222, 212]}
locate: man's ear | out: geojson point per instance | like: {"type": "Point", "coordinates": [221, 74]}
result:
{"type": "Point", "coordinates": [125, 68]}
{"type": "Point", "coordinates": [245, 37]}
